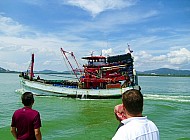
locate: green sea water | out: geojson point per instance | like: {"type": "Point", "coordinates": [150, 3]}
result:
{"type": "Point", "coordinates": [167, 103]}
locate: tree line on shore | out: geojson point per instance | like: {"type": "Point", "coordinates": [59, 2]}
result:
{"type": "Point", "coordinates": [156, 72]}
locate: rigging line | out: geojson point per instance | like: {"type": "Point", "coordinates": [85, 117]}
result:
{"type": "Point", "coordinates": [29, 67]}
{"type": "Point", "coordinates": [67, 65]}
{"type": "Point", "coordinates": [63, 52]}
{"type": "Point", "coordinates": [76, 61]}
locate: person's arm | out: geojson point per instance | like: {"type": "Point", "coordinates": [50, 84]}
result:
{"type": "Point", "coordinates": [38, 134]}
{"type": "Point", "coordinates": [119, 112]}
{"type": "Point", "coordinates": [14, 132]}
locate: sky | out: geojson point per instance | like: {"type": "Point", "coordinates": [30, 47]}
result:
{"type": "Point", "coordinates": [158, 32]}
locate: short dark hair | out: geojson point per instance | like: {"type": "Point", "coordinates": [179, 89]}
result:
{"type": "Point", "coordinates": [27, 98]}
{"type": "Point", "coordinates": [133, 101]}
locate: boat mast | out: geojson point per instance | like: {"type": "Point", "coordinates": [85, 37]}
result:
{"type": "Point", "coordinates": [64, 52]}
{"type": "Point", "coordinates": [32, 67]}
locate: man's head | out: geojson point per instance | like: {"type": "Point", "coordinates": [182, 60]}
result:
{"type": "Point", "coordinates": [133, 102]}
{"type": "Point", "coordinates": [27, 99]}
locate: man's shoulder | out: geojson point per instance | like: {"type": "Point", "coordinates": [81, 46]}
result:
{"type": "Point", "coordinates": [138, 122]}
{"type": "Point", "coordinates": [152, 125]}
{"type": "Point", "coordinates": [18, 110]}
{"type": "Point", "coordinates": [29, 110]}
{"type": "Point", "coordinates": [34, 111]}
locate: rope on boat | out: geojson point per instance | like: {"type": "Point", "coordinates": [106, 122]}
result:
{"type": "Point", "coordinates": [67, 65]}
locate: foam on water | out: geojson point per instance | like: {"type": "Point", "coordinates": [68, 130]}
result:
{"type": "Point", "coordinates": [167, 97]}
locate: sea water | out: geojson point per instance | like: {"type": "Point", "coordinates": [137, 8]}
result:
{"type": "Point", "coordinates": [167, 104]}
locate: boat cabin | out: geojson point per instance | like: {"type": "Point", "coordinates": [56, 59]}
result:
{"type": "Point", "coordinates": [95, 60]}
{"type": "Point", "coordinates": [111, 72]}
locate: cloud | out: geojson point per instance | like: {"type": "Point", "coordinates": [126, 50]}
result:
{"type": "Point", "coordinates": [15, 65]}
{"type": "Point", "coordinates": [177, 57]}
{"type": "Point", "coordinates": [12, 28]}
{"type": "Point", "coordinates": [158, 29]}
{"type": "Point", "coordinates": [153, 47]}
{"type": "Point", "coordinates": [107, 52]}
{"type": "Point", "coordinates": [159, 58]}
{"type": "Point", "coordinates": [9, 26]}
{"type": "Point", "coordinates": [35, 2]}
{"type": "Point", "coordinates": [16, 46]}
{"type": "Point", "coordinates": [9, 48]}
{"type": "Point", "coordinates": [17, 42]}
{"type": "Point", "coordinates": [145, 55]}
{"type": "Point", "coordinates": [95, 7]}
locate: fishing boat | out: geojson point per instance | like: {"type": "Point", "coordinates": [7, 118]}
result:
{"type": "Point", "coordinates": [100, 78]}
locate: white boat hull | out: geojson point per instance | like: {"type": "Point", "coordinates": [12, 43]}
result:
{"type": "Point", "coordinates": [50, 90]}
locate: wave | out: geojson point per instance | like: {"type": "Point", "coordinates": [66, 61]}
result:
{"type": "Point", "coordinates": [167, 97]}
{"type": "Point", "coordinates": [175, 98]}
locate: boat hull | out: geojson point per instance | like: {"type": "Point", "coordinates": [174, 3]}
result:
{"type": "Point", "coordinates": [43, 89]}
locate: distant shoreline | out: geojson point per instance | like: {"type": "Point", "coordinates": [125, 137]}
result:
{"type": "Point", "coordinates": [162, 75]}
{"type": "Point", "coordinates": [157, 72]}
